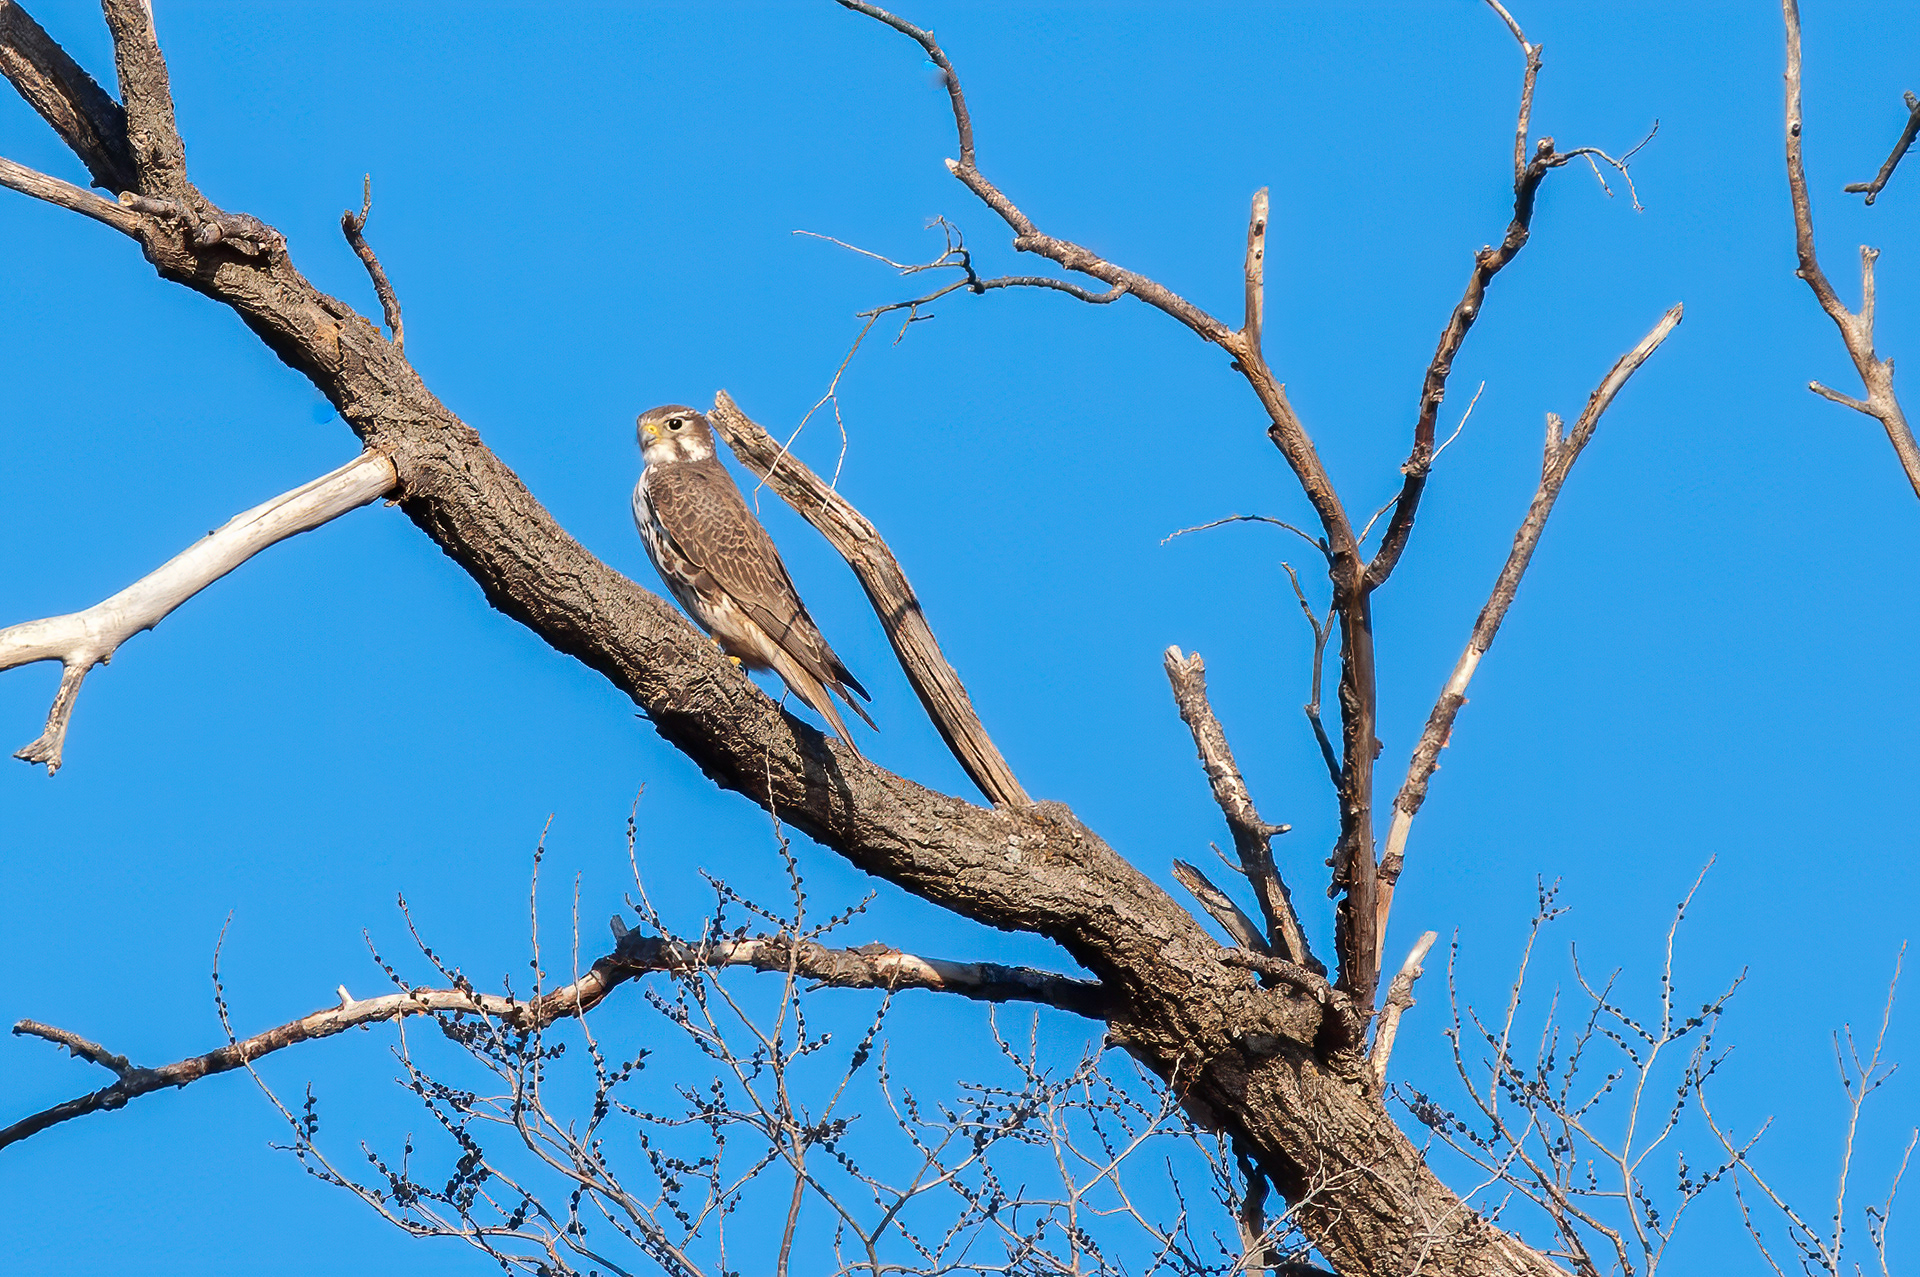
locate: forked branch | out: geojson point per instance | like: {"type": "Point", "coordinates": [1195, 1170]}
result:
{"type": "Point", "coordinates": [1252, 836]}
{"type": "Point", "coordinates": [1556, 465]}
{"type": "Point", "coordinates": [1879, 183]}
{"type": "Point", "coordinates": [81, 640]}
{"type": "Point", "coordinates": [1528, 173]}
{"type": "Point", "coordinates": [898, 607]}
{"type": "Point", "coordinates": [1856, 327]}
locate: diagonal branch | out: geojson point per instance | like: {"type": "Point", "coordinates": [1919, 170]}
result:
{"type": "Point", "coordinates": [868, 967]}
{"type": "Point", "coordinates": [80, 111]}
{"type": "Point", "coordinates": [81, 640]}
{"type": "Point", "coordinates": [1399, 1002]}
{"type": "Point", "coordinates": [898, 607]}
{"type": "Point", "coordinates": [1557, 464]}
{"type": "Point", "coordinates": [1252, 836]}
{"type": "Point", "coordinates": [1223, 908]}
{"type": "Point", "coordinates": [1879, 183]}
{"type": "Point", "coordinates": [1487, 263]}
{"type": "Point", "coordinates": [1856, 329]}
{"type": "Point", "coordinates": [19, 177]}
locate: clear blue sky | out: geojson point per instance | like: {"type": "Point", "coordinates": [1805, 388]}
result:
{"type": "Point", "coordinates": [587, 210]}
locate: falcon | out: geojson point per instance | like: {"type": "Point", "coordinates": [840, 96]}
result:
{"type": "Point", "coordinates": [721, 565]}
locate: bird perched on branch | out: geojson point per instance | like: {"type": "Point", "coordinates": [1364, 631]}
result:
{"type": "Point", "coordinates": [721, 565]}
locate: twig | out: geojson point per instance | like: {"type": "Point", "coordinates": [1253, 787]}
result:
{"type": "Point", "coordinates": [898, 607]}
{"type": "Point", "coordinates": [81, 640]}
{"type": "Point", "coordinates": [1245, 932]}
{"type": "Point", "coordinates": [1556, 466]}
{"type": "Point", "coordinates": [1856, 328]}
{"type": "Point", "coordinates": [1321, 631]}
{"type": "Point", "coordinates": [1252, 836]}
{"type": "Point", "coordinates": [1311, 540]}
{"type": "Point", "coordinates": [1872, 189]}
{"type": "Point", "coordinates": [351, 225]}
{"type": "Point", "coordinates": [1399, 1000]}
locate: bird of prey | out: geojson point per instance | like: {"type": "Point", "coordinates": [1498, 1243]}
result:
{"type": "Point", "coordinates": [721, 565]}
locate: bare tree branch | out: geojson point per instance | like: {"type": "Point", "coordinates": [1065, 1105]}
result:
{"type": "Point", "coordinates": [81, 640]}
{"type": "Point", "coordinates": [1252, 836]}
{"type": "Point", "coordinates": [1488, 262]}
{"type": "Point", "coordinates": [80, 111]}
{"type": "Point", "coordinates": [1181, 1005]}
{"type": "Point", "coordinates": [869, 967]}
{"type": "Point", "coordinates": [1399, 1001]}
{"type": "Point", "coordinates": [898, 607]}
{"type": "Point", "coordinates": [1856, 328]}
{"type": "Point", "coordinates": [1556, 466]}
{"type": "Point", "coordinates": [1244, 930]}
{"type": "Point", "coordinates": [351, 225]}
{"type": "Point", "coordinates": [20, 178]}
{"type": "Point", "coordinates": [153, 139]}
{"type": "Point", "coordinates": [1872, 189]}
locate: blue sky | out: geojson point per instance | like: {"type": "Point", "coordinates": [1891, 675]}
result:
{"type": "Point", "coordinates": [588, 210]}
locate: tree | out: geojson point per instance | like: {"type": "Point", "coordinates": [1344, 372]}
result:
{"type": "Point", "coordinates": [1256, 1039]}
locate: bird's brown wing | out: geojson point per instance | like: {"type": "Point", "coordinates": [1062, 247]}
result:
{"type": "Point", "coordinates": [702, 510]}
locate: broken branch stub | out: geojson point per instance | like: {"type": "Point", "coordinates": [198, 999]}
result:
{"type": "Point", "coordinates": [81, 640]}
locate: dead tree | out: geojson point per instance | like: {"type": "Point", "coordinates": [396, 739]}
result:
{"type": "Point", "coordinates": [1288, 1061]}
{"type": "Point", "coordinates": [1856, 327]}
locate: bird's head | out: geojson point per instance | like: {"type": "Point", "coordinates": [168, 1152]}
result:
{"type": "Point", "coordinates": [674, 433]}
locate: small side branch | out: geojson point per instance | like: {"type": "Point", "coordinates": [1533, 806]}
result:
{"type": "Point", "coordinates": [1027, 237]}
{"type": "Point", "coordinates": [1399, 1001]}
{"type": "Point", "coordinates": [18, 177]}
{"type": "Point", "coordinates": [351, 225]}
{"type": "Point", "coordinates": [869, 967]}
{"type": "Point", "coordinates": [1252, 836]}
{"type": "Point", "coordinates": [1856, 328]}
{"type": "Point", "coordinates": [1256, 270]}
{"type": "Point", "coordinates": [1872, 189]}
{"type": "Point", "coordinates": [1557, 464]}
{"type": "Point", "coordinates": [1231, 917]}
{"type": "Point", "coordinates": [81, 640]}
{"type": "Point", "coordinates": [898, 607]}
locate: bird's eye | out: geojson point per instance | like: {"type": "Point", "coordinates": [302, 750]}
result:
{"type": "Point", "coordinates": [675, 424]}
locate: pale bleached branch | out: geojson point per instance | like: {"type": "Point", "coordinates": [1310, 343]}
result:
{"type": "Point", "coordinates": [18, 177]}
{"type": "Point", "coordinates": [1256, 270]}
{"type": "Point", "coordinates": [81, 640]}
{"type": "Point", "coordinates": [1556, 465]}
{"type": "Point", "coordinates": [934, 680]}
{"type": "Point", "coordinates": [1399, 1001]}
{"type": "Point", "coordinates": [1252, 836]}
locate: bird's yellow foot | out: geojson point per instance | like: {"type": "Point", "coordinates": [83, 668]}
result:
{"type": "Point", "coordinates": [725, 653]}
